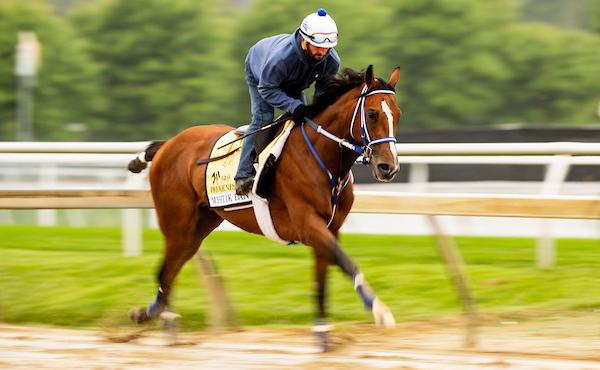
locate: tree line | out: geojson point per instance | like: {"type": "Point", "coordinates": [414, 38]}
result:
{"type": "Point", "coordinates": [146, 69]}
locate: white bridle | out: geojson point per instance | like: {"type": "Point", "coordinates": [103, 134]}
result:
{"type": "Point", "coordinates": [364, 131]}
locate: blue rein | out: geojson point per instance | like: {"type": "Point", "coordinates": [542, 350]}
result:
{"type": "Point", "coordinates": [337, 184]}
{"type": "Point", "coordinates": [334, 182]}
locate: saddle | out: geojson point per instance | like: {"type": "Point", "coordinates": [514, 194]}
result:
{"type": "Point", "coordinates": [220, 173]}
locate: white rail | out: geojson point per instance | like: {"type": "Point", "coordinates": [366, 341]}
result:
{"type": "Point", "coordinates": [365, 202]}
{"type": "Point", "coordinates": [503, 205]}
{"type": "Point", "coordinates": [72, 147]}
{"type": "Point", "coordinates": [569, 148]}
{"type": "Point", "coordinates": [56, 165]}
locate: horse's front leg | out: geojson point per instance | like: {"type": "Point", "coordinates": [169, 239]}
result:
{"type": "Point", "coordinates": [327, 249]}
{"type": "Point", "coordinates": [381, 313]}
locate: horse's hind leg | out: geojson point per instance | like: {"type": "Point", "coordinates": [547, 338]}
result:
{"type": "Point", "coordinates": [321, 325]}
{"type": "Point", "coordinates": [184, 229]}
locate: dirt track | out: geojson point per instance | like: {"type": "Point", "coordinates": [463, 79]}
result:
{"type": "Point", "coordinates": [566, 344]}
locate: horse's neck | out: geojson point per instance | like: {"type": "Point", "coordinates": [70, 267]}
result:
{"type": "Point", "coordinates": [336, 118]}
{"type": "Point", "coordinates": [337, 121]}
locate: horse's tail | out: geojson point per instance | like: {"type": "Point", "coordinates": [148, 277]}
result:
{"type": "Point", "coordinates": [140, 162]}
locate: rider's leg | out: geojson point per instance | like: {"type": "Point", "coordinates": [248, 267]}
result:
{"type": "Point", "coordinates": [262, 113]}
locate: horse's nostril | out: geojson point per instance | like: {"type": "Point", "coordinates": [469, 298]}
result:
{"type": "Point", "coordinates": [384, 167]}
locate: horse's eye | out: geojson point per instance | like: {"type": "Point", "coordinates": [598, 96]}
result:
{"type": "Point", "coordinates": [372, 115]}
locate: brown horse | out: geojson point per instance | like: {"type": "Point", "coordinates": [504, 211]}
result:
{"type": "Point", "coordinates": [357, 114]}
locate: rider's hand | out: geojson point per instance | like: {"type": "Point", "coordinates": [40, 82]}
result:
{"type": "Point", "coordinates": [299, 113]}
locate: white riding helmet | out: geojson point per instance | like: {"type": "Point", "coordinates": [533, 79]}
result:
{"type": "Point", "coordinates": [319, 29]}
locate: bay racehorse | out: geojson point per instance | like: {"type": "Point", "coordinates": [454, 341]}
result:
{"type": "Point", "coordinates": [311, 191]}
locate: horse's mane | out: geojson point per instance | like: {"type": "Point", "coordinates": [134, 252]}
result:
{"type": "Point", "coordinates": [337, 85]}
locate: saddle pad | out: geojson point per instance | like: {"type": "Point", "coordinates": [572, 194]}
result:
{"type": "Point", "coordinates": [267, 160]}
{"type": "Point", "coordinates": [220, 183]}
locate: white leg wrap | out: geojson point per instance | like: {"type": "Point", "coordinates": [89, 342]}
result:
{"type": "Point", "coordinates": [359, 280]}
{"type": "Point", "coordinates": [169, 315]}
{"type": "Point", "coordinates": [142, 157]}
{"type": "Point", "coordinates": [322, 328]}
{"type": "Point", "coordinates": [382, 314]}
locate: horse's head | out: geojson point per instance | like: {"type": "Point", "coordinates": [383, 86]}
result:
{"type": "Point", "coordinates": [374, 123]}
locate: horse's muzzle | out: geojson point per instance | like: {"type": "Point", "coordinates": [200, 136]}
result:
{"type": "Point", "coordinates": [385, 171]}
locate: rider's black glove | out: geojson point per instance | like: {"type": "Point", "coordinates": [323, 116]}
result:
{"type": "Point", "coordinates": [299, 113]}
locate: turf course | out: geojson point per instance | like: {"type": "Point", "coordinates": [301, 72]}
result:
{"type": "Point", "coordinates": [78, 277]}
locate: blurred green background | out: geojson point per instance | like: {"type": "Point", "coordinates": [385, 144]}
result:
{"type": "Point", "coordinates": [145, 69]}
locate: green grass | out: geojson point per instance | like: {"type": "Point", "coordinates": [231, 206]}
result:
{"type": "Point", "coordinates": [78, 277]}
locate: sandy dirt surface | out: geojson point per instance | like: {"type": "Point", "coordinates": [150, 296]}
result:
{"type": "Point", "coordinates": [503, 343]}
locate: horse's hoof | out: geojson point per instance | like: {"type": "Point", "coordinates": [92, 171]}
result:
{"type": "Point", "coordinates": [324, 342]}
{"type": "Point", "coordinates": [382, 315]}
{"type": "Point", "coordinates": [139, 315]}
{"type": "Point", "coordinates": [322, 328]}
{"type": "Point", "coordinates": [169, 321]}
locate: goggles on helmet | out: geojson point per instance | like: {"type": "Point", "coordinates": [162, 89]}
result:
{"type": "Point", "coordinates": [321, 38]}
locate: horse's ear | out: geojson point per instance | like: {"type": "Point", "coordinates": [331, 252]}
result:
{"type": "Point", "coordinates": [369, 76]}
{"type": "Point", "coordinates": [394, 77]}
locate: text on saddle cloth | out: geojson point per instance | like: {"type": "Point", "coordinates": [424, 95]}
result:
{"type": "Point", "coordinates": [220, 182]}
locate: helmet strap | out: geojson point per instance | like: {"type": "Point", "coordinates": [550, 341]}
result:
{"type": "Point", "coordinates": [305, 48]}
{"type": "Point", "coordinates": [304, 43]}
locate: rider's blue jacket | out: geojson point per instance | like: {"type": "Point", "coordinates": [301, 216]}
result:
{"type": "Point", "coordinates": [282, 70]}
